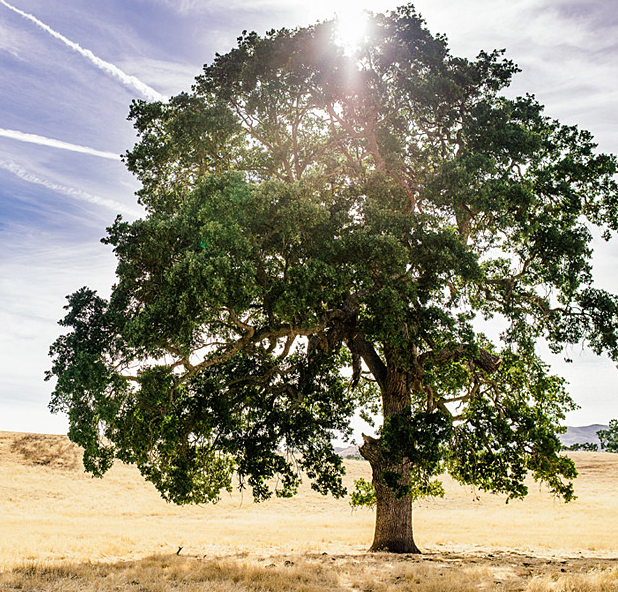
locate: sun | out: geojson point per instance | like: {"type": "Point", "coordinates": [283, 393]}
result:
{"type": "Point", "coordinates": [351, 28]}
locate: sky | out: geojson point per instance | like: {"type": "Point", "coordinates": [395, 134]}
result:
{"type": "Point", "coordinates": [69, 70]}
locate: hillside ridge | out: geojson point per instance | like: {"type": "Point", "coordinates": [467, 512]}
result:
{"type": "Point", "coordinates": [573, 435]}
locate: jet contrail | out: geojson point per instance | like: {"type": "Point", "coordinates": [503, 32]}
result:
{"type": "Point", "coordinates": [43, 141]}
{"type": "Point", "coordinates": [78, 194]}
{"type": "Point", "coordinates": [126, 79]}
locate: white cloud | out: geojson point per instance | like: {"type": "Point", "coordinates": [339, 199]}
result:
{"type": "Point", "coordinates": [172, 77]}
{"type": "Point", "coordinates": [305, 12]}
{"type": "Point", "coordinates": [182, 6]}
{"type": "Point", "coordinates": [126, 79]}
{"type": "Point", "coordinates": [37, 270]}
{"type": "Point", "coordinates": [78, 194]}
{"type": "Point", "coordinates": [9, 40]}
{"type": "Point", "coordinates": [43, 141]}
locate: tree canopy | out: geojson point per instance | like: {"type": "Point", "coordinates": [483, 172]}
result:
{"type": "Point", "coordinates": [325, 232]}
{"type": "Point", "coordinates": [609, 437]}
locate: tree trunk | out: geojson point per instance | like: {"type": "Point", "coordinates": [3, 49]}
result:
{"type": "Point", "coordinates": [393, 529]}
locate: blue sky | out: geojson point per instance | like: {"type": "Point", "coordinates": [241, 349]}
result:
{"type": "Point", "coordinates": [69, 70]}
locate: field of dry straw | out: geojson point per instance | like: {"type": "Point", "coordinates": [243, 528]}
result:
{"type": "Point", "coordinates": [62, 530]}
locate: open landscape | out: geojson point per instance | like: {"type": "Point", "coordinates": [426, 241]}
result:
{"type": "Point", "coordinates": [232, 229]}
{"type": "Point", "coordinates": [63, 530]}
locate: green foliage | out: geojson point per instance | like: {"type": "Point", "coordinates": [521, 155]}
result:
{"type": "Point", "coordinates": [609, 437]}
{"type": "Point", "coordinates": [324, 234]}
{"type": "Point", "coordinates": [364, 495]}
{"type": "Point", "coordinates": [422, 440]}
{"type": "Point", "coordinates": [511, 429]}
{"type": "Point", "coordinates": [587, 446]}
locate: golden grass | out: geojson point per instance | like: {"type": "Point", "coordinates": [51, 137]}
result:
{"type": "Point", "coordinates": [160, 574]}
{"type": "Point", "coordinates": [595, 580]}
{"type": "Point", "coordinates": [62, 530]}
{"type": "Point", "coordinates": [313, 573]}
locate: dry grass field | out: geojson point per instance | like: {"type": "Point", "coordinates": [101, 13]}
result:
{"type": "Point", "coordinates": [62, 530]}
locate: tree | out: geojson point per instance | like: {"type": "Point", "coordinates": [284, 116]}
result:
{"type": "Point", "coordinates": [609, 437]}
{"type": "Point", "coordinates": [587, 446]}
{"type": "Point", "coordinates": [326, 231]}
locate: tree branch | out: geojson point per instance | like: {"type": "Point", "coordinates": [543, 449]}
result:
{"type": "Point", "coordinates": [359, 345]}
{"type": "Point", "coordinates": [484, 360]}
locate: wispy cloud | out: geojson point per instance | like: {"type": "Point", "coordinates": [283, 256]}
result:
{"type": "Point", "coordinates": [126, 79]}
{"type": "Point", "coordinates": [182, 6]}
{"type": "Point", "coordinates": [37, 268]}
{"type": "Point", "coordinates": [78, 194]}
{"type": "Point", "coordinates": [170, 76]}
{"type": "Point", "coordinates": [325, 7]}
{"type": "Point", "coordinates": [43, 141]}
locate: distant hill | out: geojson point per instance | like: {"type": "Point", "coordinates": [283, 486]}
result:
{"type": "Point", "coordinates": [582, 434]}
{"type": "Point", "coordinates": [573, 435]}
{"type": "Point", "coordinates": [348, 451]}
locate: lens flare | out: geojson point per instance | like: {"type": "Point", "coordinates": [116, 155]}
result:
{"type": "Point", "coordinates": [351, 28]}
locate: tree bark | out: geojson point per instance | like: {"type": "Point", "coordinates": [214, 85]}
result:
{"type": "Point", "coordinates": [393, 529]}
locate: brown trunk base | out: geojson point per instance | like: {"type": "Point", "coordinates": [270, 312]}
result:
{"type": "Point", "coordinates": [395, 548]}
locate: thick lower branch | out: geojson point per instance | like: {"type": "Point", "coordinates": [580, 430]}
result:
{"type": "Point", "coordinates": [358, 345]}
{"type": "Point", "coordinates": [370, 450]}
{"type": "Point", "coordinates": [484, 360]}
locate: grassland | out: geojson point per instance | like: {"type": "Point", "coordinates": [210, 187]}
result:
{"type": "Point", "coordinates": [62, 530]}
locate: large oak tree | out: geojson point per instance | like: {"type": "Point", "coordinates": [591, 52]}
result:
{"type": "Point", "coordinates": [325, 232]}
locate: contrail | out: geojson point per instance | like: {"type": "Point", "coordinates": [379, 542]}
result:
{"type": "Point", "coordinates": [78, 194]}
{"type": "Point", "coordinates": [43, 141]}
{"type": "Point", "coordinates": [126, 79]}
